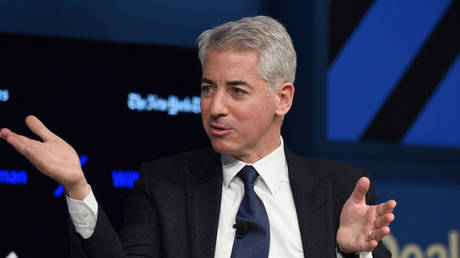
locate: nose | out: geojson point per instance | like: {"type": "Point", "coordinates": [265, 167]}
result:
{"type": "Point", "coordinates": [217, 105]}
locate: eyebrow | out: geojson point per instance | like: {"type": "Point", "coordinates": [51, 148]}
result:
{"type": "Point", "coordinates": [229, 83]}
{"type": "Point", "coordinates": [238, 83]}
{"type": "Point", "coordinates": [206, 80]}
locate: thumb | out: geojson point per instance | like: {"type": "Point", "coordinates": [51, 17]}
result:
{"type": "Point", "coordinates": [38, 128]}
{"type": "Point", "coordinates": [359, 193]}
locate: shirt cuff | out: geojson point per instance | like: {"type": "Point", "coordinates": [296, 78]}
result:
{"type": "Point", "coordinates": [83, 214]}
{"type": "Point", "coordinates": [363, 254]}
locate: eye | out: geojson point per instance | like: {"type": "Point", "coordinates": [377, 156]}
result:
{"type": "Point", "coordinates": [206, 89]}
{"type": "Point", "coordinates": [237, 91]}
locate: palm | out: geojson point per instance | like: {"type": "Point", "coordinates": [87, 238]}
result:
{"type": "Point", "coordinates": [359, 219]}
{"type": "Point", "coordinates": [52, 156]}
{"type": "Point", "coordinates": [55, 158]}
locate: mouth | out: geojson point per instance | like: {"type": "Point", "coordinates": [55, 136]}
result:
{"type": "Point", "coordinates": [219, 130]}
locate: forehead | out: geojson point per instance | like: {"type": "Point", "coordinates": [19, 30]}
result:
{"type": "Point", "coordinates": [231, 62]}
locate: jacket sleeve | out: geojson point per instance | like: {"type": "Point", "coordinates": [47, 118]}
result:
{"type": "Point", "coordinates": [138, 237]}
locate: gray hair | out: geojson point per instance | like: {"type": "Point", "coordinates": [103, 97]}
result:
{"type": "Point", "coordinates": [277, 57]}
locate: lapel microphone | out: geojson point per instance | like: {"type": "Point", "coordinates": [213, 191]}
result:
{"type": "Point", "coordinates": [241, 228]}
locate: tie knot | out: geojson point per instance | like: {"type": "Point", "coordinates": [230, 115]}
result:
{"type": "Point", "coordinates": [248, 174]}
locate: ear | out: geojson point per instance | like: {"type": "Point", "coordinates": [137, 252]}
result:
{"type": "Point", "coordinates": [284, 96]}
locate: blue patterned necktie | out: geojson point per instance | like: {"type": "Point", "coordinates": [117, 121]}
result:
{"type": "Point", "coordinates": [252, 238]}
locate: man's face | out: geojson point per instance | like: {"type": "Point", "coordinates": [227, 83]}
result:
{"type": "Point", "coordinates": [238, 111]}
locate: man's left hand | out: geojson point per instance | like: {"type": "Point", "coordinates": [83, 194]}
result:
{"type": "Point", "coordinates": [362, 225]}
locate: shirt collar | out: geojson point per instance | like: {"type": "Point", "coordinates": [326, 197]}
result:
{"type": "Point", "coordinates": [271, 168]}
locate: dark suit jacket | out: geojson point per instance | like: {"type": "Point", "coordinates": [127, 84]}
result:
{"type": "Point", "coordinates": [174, 208]}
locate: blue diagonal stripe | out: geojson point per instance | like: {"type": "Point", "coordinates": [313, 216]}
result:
{"type": "Point", "coordinates": [373, 61]}
{"type": "Point", "coordinates": [439, 122]}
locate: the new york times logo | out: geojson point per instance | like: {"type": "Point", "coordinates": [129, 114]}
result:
{"type": "Point", "coordinates": [172, 105]}
{"type": "Point", "coordinates": [4, 95]}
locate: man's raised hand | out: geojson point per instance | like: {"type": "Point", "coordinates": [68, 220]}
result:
{"type": "Point", "coordinates": [52, 156]}
{"type": "Point", "coordinates": [362, 225]}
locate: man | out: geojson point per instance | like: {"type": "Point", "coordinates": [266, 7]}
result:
{"type": "Point", "coordinates": [249, 196]}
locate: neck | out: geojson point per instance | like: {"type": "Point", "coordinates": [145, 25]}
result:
{"type": "Point", "coordinates": [253, 157]}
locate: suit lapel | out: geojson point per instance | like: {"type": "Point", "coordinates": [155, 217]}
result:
{"type": "Point", "coordinates": [204, 191]}
{"type": "Point", "coordinates": [309, 198]}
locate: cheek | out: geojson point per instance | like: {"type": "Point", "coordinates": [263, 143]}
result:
{"type": "Point", "coordinates": [204, 108]}
{"type": "Point", "coordinates": [252, 119]}
{"type": "Point", "coordinates": [203, 114]}
{"type": "Point", "coordinates": [202, 105]}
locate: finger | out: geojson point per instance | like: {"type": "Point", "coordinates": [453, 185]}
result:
{"type": "Point", "coordinates": [27, 147]}
{"type": "Point", "coordinates": [38, 128]}
{"type": "Point", "coordinates": [372, 244]}
{"type": "Point", "coordinates": [384, 220]}
{"type": "Point", "coordinates": [368, 245]}
{"type": "Point", "coordinates": [361, 188]}
{"type": "Point", "coordinates": [378, 234]}
{"type": "Point", "coordinates": [386, 207]}
{"type": "Point", "coordinates": [18, 141]}
{"type": "Point", "coordinates": [4, 132]}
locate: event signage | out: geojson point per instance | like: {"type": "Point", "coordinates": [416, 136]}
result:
{"type": "Point", "coordinates": [172, 105]}
{"type": "Point", "coordinates": [4, 95]}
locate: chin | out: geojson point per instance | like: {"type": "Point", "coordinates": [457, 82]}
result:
{"type": "Point", "coordinates": [222, 146]}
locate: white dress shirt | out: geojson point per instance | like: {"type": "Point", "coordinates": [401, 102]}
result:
{"type": "Point", "coordinates": [83, 214]}
{"type": "Point", "coordinates": [272, 187]}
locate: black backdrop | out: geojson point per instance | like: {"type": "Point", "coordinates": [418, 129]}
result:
{"type": "Point", "coordinates": [79, 89]}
